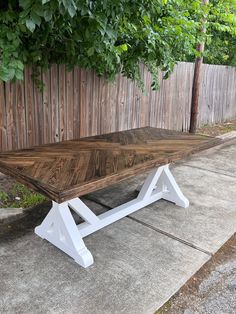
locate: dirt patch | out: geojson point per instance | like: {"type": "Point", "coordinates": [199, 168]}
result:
{"type": "Point", "coordinates": [218, 129]}
{"type": "Point", "coordinates": [6, 183]}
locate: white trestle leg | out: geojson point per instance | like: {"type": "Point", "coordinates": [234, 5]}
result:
{"type": "Point", "coordinates": [60, 229]}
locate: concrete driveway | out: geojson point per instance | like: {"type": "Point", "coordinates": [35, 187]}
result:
{"type": "Point", "coordinates": [140, 261]}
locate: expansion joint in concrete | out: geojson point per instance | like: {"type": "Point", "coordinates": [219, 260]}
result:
{"type": "Point", "coordinates": [212, 171]}
{"type": "Point", "coordinates": [167, 234]}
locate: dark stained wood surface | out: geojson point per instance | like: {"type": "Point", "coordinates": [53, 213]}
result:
{"type": "Point", "coordinates": [73, 168]}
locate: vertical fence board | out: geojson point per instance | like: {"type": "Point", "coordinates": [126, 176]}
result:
{"type": "Point", "coordinates": [76, 121]}
{"type": "Point", "coordinates": [3, 121]}
{"type": "Point", "coordinates": [121, 103]}
{"type": "Point", "coordinates": [145, 99]}
{"type": "Point", "coordinates": [103, 99]}
{"type": "Point", "coordinates": [62, 102]}
{"type": "Point", "coordinates": [54, 93]}
{"type": "Point", "coordinates": [47, 108]}
{"type": "Point", "coordinates": [83, 103]}
{"type": "Point", "coordinates": [92, 104]}
{"type": "Point", "coordinates": [20, 115]}
{"type": "Point", "coordinates": [29, 105]}
{"type": "Point", "coordinates": [69, 104]}
{"type": "Point", "coordinates": [11, 138]}
{"type": "Point", "coordinates": [38, 121]}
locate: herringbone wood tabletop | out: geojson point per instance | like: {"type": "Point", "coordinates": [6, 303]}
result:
{"type": "Point", "coordinates": [73, 168]}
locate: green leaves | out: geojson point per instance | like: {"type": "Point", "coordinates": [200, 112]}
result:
{"type": "Point", "coordinates": [6, 73]}
{"type": "Point", "coordinates": [11, 71]}
{"type": "Point", "coordinates": [110, 36]}
{"type": "Point", "coordinates": [90, 51]}
{"type": "Point", "coordinates": [69, 6]}
{"type": "Point", "coordinates": [30, 25]}
{"type": "Point", "coordinates": [121, 48]}
{"type": "Point", "coordinates": [47, 15]}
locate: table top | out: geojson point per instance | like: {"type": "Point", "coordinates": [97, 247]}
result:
{"type": "Point", "coordinates": [73, 168]}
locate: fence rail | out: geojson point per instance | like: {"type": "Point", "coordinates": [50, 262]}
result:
{"type": "Point", "coordinates": [78, 104]}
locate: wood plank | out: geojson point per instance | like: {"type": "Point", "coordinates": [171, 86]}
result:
{"type": "Point", "coordinates": [76, 107]}
{"type": "Point", "coordinates": [38, 118]}
{"type": "Point", "coordinates": [69, 104]}
{"type": "Point", "coordinates": [83, 103]}
{"type": "Point", "coordinates": [3, 119]}
{"type": "Point", "coordinates": [11, 136]}
{"type": "Point", "coordinates": [72, 168]}
{"type": "Point", "coordinates": [54, 93]}
{"type": "Point", "coordinates": [20, 115]}
{"type": "Point", "coordinates": [29, 107]}
{"type": "Point", "coordinates": [47, 112]}
{"type": "Point", "coordinates": [62, 102]}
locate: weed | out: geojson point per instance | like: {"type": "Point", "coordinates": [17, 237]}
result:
{"type": "Point", "coordinates": [20, 196]}
{"type": "Point", "coordinates": [3, 197]}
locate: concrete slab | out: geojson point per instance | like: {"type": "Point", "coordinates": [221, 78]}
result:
{"type": "Point", "coordinates": [228, 135]}
{"type": "Point", "coordinates": [219, 159]}
{"type": "Point", "coordinates": [136, 270]}
{"type": "Point", "coordinates": [7, 214]}
{"type": "Point", "coordinates": [210, 219]}
{"type": "Point", "coordinates": [119, 193]}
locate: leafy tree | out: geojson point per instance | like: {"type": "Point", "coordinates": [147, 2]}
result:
{"type": "Point", "coordinates": [109, 36]}
{"type": "Point", "coordinates": [220, 41]}
{"type": "Point", "coordinates": [221, 49]}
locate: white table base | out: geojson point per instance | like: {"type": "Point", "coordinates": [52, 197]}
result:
{"type": "Point", "coordinates": [60, 229]}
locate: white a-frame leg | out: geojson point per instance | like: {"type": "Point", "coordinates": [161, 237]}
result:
{"type": "Point", "coordinates": [60, 229]}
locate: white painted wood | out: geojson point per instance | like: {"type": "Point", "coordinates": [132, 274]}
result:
{"type": "Point", "coordinates": [83, 211]}
{"type": "Point", "coordinates": [60, 229]}
{"type": "Point", "coordinates": [171, 190]}
{"type": "Point", "coordinates": [150, 183]}
{"type": "Point", "coordinates": [117, 213]}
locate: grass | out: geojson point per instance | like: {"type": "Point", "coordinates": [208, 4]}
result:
{"type": "Point", "coordinates": [3, 196]}
{"type": "Point", "coordinates": [19, 196]}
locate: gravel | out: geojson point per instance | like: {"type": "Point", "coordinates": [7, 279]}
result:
{"type": "Point", "coordinates": [212, 290]}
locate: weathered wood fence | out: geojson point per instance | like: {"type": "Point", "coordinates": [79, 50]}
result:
{"type": "Point", "coordinates": [78, 103]}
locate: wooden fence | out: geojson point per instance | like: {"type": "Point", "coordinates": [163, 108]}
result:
{"type": "Point", "coordinates": [78, 104]}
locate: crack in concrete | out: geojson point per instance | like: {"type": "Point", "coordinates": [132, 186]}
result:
{"type": "Point", "coordinates": [165, 233]}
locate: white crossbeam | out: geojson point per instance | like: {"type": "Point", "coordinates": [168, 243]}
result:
{"type": "Point", "coordinates": [60, 229]}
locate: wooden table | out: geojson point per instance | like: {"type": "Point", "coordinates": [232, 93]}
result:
{"type": "Point", "coordinates": [66, 170]}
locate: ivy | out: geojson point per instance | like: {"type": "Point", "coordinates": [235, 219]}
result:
{"type": "Point", "coordinates": [109, 36]}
